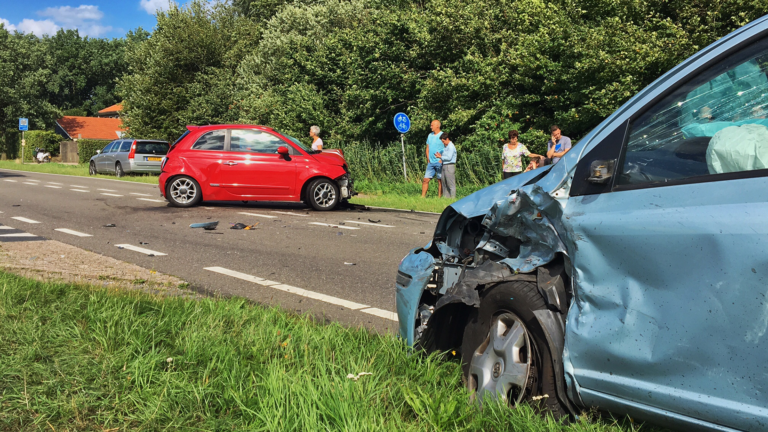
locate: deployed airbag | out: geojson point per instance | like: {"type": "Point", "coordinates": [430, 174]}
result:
{"type": "Point", "coordinates": [738, 148]}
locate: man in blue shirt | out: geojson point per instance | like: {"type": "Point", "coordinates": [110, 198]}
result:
{"type": "Point", "coordinates": [434, 168]}
{"type": "Point", "coordinates": [558, 145]}
{"type": "Point", "coordinates": [448, 159]}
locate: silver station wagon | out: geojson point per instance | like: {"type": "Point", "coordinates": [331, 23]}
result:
{"type": "Point", "coordinates": [125, 156]}
{"type": "Point", "coordinates": [632, 275]}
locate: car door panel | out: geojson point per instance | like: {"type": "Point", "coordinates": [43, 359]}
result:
{"type": "Point", "coordinates": [254, 170]}
{"type": "Point", "coordinates": [101, 159]}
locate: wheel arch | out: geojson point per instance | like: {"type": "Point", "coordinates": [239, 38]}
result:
{"type": "Point", "coordinates": [307, 182]}
{"type": "Point", "coordinates": [170, 180]}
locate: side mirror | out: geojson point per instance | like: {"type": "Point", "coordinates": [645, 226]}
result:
{"type": "Point", "coordinates": [98, 151]}
{"type": "Point", "coordinates": [282, 151]}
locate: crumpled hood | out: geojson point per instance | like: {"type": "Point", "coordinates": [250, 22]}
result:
{"type": "Point", "coordinates": [329, 158]}
{"type": "Point", "coordinates": [481, 201]}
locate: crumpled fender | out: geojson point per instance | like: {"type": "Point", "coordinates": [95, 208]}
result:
{"type": "Point", "coordinates": [412, 278]}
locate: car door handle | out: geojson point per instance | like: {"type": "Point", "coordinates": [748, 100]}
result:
{"type": "Point", "coordinates": [230, 163]}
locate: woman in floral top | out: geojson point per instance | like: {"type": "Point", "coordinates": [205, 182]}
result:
{"type": "Point", "coordinates": [512, 155]}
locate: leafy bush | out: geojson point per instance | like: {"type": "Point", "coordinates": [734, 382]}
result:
{"type": "Point", "coordinates": [86, 148]}
{"type": "Point", "coordinates": [43, 139]}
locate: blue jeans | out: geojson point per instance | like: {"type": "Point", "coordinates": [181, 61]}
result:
{"type": "Point", "coordinates": [433, 170]}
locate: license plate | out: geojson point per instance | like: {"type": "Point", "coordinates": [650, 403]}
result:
{"type": "Point", "coordinates": [154, 159]}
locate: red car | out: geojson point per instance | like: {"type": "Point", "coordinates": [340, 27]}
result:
{"type": "Point", "coordinates": [251, 163]}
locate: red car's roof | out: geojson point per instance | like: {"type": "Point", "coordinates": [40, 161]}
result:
{"type": "Point", "coordinates": [227, 126]}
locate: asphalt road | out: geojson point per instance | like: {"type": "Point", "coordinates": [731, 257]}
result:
{"type": "Point", "coordinates": [338, 265]}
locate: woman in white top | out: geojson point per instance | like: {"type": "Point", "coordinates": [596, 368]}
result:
{"type": "Point", "coordinates": [317, 143]}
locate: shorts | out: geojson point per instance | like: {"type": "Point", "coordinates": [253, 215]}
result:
{"type": "Point", "coordinates": [434, 170]}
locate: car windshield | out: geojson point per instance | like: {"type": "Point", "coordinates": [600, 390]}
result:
{"type": "Point", "coordinates": [301, 146]}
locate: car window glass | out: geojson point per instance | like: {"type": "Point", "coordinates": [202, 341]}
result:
{"type": "Point", "coordinates": [254, 141]}
{"type": "Point", "coordinates": [115, 147]}
{"type": "Point", "coordinates": [155, 148]}
{"type": "Point", "coordinates": [125, 146]}
{"type": "Point", "coordinates": [108, 147]}
{"type": "Point", "coordinates": [211, 141]}
{"type": "Point", "coordinates": [714, 124]}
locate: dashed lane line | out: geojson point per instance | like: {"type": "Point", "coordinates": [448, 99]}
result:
{"type": "Point", "coordinates": [18, 235]}
{"type": "Point", "coordinates": [55, 183]}
{"type": "Point", "coordinates": [140, 250]}
{"type": "Point", "coordinates": [23, 219]}
{"type": "Point", "coordinates": [381, 313]}
{"type": "Point", "coordinates": [78, 186]}
{"type": "Point", "coordinates": [151, 200]}
{"type": "Point", "coordinates": [30, 183]}
{"type": "Point", "coordinates": [139, 194]}
{"type": "Point", "coordinates": [111, 194]}
{"type": "Point", "coordinates": [33, 180]}
{"type": "Point", "coordinates": [258, 215]}
{"type": "Point", "coordinates": [6, 227]}
{"type": "Point", "coordinates": [79, 190]}
{"type": "Point", "coordinates": [9, 180]}
{"type": "Point", "coordinates": [370, 223]}
{"type": "Point", "coordinates": [72, 232]}
{"type": "Point", "coordinates": [302, 292]}
{"type": "Point", "coordinates": [289, 213]}
{"type": "Point", "coordinates": [334, 226]}
{"type": "Point", "coordinates": [53, 186]}
{"type": "Point", "coordinates": [107, 190]}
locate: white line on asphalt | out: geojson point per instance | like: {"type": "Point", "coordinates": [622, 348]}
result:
{"type": "Point", "coordinates": [333, 226]}
{"type": "Point", "coordinates": [109, 194]}
{"type": "Point", "coordinates": [107, 190]}
{"type": "Point", "coordinates": [371, 224]}
{"type": "Point", "coordinates": [18, 235]}
{"type": "Point", "coordinates": [151, 200]}
{"type": "Point", "coordinates": [33, 180]}
{"type": "Point", "coordinates": [74, 233]}
{"type": "Point", "coordinates": [23, 219]}
{"type": "Point", "coordinates": [290, 289]}
{"type": "Point", "coordinates": [140, 250]}
{"type": "Point", "coordinates": [208, 208]}
{"type": "Point", "coordinates": [30, 183]}
{"type": "Point", "coordinates": [56, 183]}
{"type": "Point", "coordinates": [9, 180]}
{"type": "Point", "coordinates": [258, 215]}
{"type": "Point", "coordinates": [381, 313]}
{"type": "Point", "coordinates": [139, 194]}
{"type": "Point", "coordinates": [78, 190]}
{"type": "Point", "coordinates": [52, 186]}
{"type": "Point", "coordinates": [6, 227]}
{"type": "Point", "coordinates": [289, 213]}
{"type": "Point", "coordinates": [81, 187]}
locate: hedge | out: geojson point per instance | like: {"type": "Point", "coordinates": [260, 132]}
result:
{"type": "Point", "coordinates": [86, 148]}
{"type": "Point", "coordinates": [43, 139]}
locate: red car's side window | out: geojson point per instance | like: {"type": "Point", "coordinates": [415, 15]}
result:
{"type": "Point", "coordinates": [211, 141]}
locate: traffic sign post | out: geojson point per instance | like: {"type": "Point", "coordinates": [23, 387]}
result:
{"type": "Point", "coordinates": [23, 126]}
{"type": "Point", "coordinates": [403, 125]}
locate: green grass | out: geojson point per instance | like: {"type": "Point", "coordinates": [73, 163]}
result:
{"type": "Point", "coordinates": [405, 196]}
{"type": "Point", "coordinates": [89, 359]}
{"type": "Point", "coordinates": [80, 170]}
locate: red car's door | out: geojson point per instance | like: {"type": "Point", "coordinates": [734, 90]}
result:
{"type": "Point", "coordinates": [253, 169]}
{"type": "Point", "coordinates": [206, 156]}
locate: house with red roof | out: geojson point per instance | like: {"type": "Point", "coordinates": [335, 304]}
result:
{"type": "Point", "coordinates": [111, 111]}
{"type": "Point", "coordinates": [99, 128]}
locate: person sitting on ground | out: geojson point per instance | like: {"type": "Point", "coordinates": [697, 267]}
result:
{"type": "Point", "coordinates": [558, 145]}
{"type": "Point", "coordinates": [448, 159]}
{"type": "Point", "coordinates": [512, 155]}
{"type": "Point", "coordinates": [434, 168]}
{"type": "Point", "coordinates": [317, 143]}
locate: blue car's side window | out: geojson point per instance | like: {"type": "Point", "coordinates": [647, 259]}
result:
{"type": "Point", "coordinates": [713, 124]}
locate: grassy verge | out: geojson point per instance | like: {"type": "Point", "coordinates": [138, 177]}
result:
{"type": "Point", "coordinates": [80, 170]}
{"type": "Point", "coordinates": [83, 358]}
{"type": "Point", "coordinates": [405, 196]}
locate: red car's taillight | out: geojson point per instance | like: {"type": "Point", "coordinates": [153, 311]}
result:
{"type": "Point", "coordinates": [132, 153]}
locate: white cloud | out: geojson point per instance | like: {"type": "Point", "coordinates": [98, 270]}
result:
{"type": "Point", "coordinates": [39, 28]}
{"type": "Point", "coordinates": [153, 6]}
{"type": "Point", "coordinates": [8, 26]}
{"type": "Point", "coordinates": [72, 17]}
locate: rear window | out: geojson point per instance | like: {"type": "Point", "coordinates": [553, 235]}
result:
{"type": "Point", "coordinates": [155, 148]}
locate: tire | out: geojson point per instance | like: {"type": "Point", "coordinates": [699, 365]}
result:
{"type": "Point", "coordinates": [119, 170]}
{"type": "Point", "coordinates": [323, 195]}
{"type": "Point", "coordinates": [183, 191]}
{"type": "Point", "coordinates": [505, 319]}
{"type": "Point", "coordinates": [92, 169]}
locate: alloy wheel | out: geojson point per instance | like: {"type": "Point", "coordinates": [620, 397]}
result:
{"type": "Point", "coordinates": [183, 190]}
{"type": "Point", "coordinates": [324, 195]}
{"type": "Point", "coordinates": [501, 366]}
{"type": "Point", "coordinates": [92, 169]}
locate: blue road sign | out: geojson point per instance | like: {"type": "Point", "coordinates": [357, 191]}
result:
{"type": "Point", "coordinates": [402, 123]}
{"type": "Point", "coordinates": [23, 124]}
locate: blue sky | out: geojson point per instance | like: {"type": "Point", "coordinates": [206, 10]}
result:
{"type": "Point", "coordinates": [105, 19]}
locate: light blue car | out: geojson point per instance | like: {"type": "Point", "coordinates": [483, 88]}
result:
{"type": "Point", "coordinates": [632, 275]}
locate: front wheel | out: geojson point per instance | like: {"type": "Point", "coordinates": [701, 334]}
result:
{"type": "Point", "coordinates": [323, 194]}
{"type": "Point", "coordinates": [119, 170]}
{"type": "Point", "coordinates": [92, 169]}
{"type": "Point", "coordinates": [505, 351]}
{"type": "Point", "coordinates": [183, 192]}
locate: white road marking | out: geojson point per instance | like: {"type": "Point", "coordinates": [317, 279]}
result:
{"type": "Point", "coordinates": [9, 180]}
{"type": "Point", "coordinates": [289, 213]}
{"type": "Point", "coordinates": [30, 183]}
{"type": "Point", "coordinates": [290, 289]}
{"type": "Point", "coordinates": [78, 190]}
{"type": "Point", "coordinates": [52, 186]}
{"type": "Point", "coordinates": [334, 226]}
{"type": "Point", "coordinates": [107, 190]}
{"type": "Point", "coordinates": [258, 215]}
{"type": "Point", "coordinates": [151, 200]}
{"type": "Point", "coordinates": [18, 235]}
{"type": "Point", "coordinates": [140, 250]}
{"type": "Point", "coordinates": [392, 316]}
{"type": "Point", "coordinates": [208, 208]}
{"type": "Point", "coordinates": [6, 227]}
{"type": "Point", "coordinates": [23, 219]}
{"type": "Point", "coordinates": [56, 183]}
{"type": "Point", "coordinates": [371, 224]}
{"type": "Point", "coordinates": [81, 187]}
{"type": "Point", "coordinates": [33, 180]}
{"type": "Point", "coordinates": [139, 194]}
{"type": "Point", "coordinates": [74, 233]}
{"type": "Point", "coordinates": [109, 194]}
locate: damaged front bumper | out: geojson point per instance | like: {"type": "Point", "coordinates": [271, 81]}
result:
{"type": "Point", "coordinates": [346, 186]}
{"type": "Point", "coordinates": [413, 275]}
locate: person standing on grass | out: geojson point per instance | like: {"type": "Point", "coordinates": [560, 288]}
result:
{"type": "Point", "coordinates": [558, 145]}
{"type": "Point", "coordinates": [448, 159]}
{"type": "Point", "coordinates": [512, 155]}
{"type": "Point", "coordinates": [317, 143]}
{"type": "Point", "coordinates": [434, 168]}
